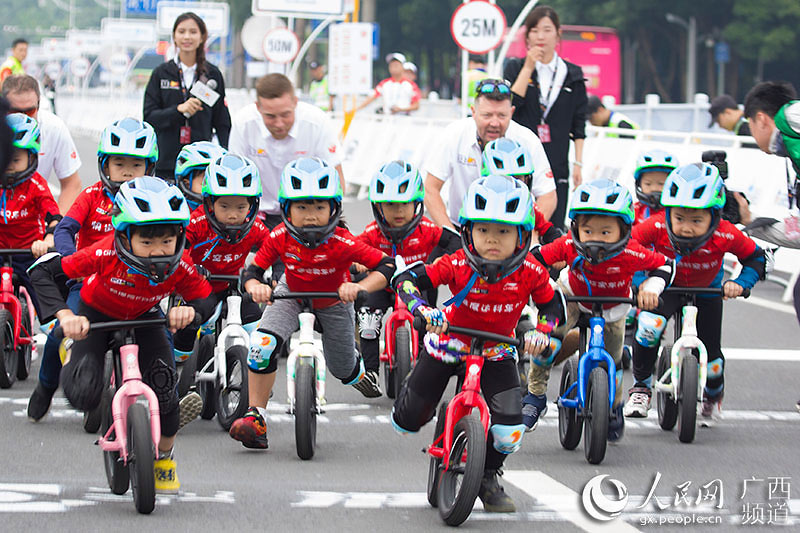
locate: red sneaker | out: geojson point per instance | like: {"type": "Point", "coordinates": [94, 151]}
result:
{"type": "Point", "coordinates": [250, 430]}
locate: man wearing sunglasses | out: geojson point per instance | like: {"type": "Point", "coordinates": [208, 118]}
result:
{"type": "Point", "coordinates": [457, 159]}
{"type": "Point", "coordinates": [58, 154]}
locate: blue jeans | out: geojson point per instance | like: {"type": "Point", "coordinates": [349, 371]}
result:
{"type": "Point", "coordinates": [50, 369]}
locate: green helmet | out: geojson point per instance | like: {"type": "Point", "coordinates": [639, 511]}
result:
{"type": "Point", "coordinates": [231, 175]}
{"type": "Point", "coordinates": [26, 136]}
{"type": "Point", "coordinates": [128, 137]}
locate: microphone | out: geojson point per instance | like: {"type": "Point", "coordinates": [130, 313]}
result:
{"type": "Point", "coordinates": [212, 84]}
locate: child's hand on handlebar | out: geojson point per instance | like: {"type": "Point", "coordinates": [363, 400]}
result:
{"type": "Point", "coordinates": [74, 327]}
{"type": "Point", "coordinates": [437, 323]}
{"type": "Point", "coordinates": [348, 291]}
{"type": "Point", "coordinates": [731, 289]}
{"type": "Point", "coordinates": [39, 248]}
{"type": "Point", "coordinates": [259, 292]}
{"type": "Point", "coordinates": [647, 300]}
{"type": "Point", "coordinates": [180, 317]}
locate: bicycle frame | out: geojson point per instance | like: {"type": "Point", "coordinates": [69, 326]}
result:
{"type": "Point", "coordinates": [399, 316]}
{"type": "Point", "coordinates": [687, 340]}
{"type": "Point", "coordinates": [9, 301]}
{"type": "Point", "coordinates": [589, 360]}
{"type": "Point", "coordinates": [233, 334]}
{"type": "Point", "coordinates": [306, 347]}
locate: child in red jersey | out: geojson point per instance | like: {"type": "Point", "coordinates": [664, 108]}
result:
{"type": "Point", "coordinates": [396, 193]}
{"type": "Point", "coordinates": [28, 212]}
{"type": "Point", "coordinates": [652, 168]}
{"type": "Point", "coordinates": [127, 149]}
{"type": "Point", "coordinates": [602, 259]}
{"type": "Point", "coordinates": [127, 275]}
{"type": "Point", "coordinates": [190, 169]}
{"type": "Point", "coordinates": [318, 253]}
{"type": "Point", "coordinates": [692, 231]}
{"type": "Point", "coordinates": [493, 277]}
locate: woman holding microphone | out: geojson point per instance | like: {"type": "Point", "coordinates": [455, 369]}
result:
{"type": "Point", "coordinates": [178, 117]}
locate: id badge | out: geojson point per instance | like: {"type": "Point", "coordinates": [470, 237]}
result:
{"type": "Point", "coordinates": [791, 228]}
{"type": "Point", "coordinates": [543, 132]}
{"type": "Point", "coordinates": [186, 135]}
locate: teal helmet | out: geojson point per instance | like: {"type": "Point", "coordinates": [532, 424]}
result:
{"type": "Point", "coordinates": [501, 200]}
{"type": "Point", "coordinates": [149, 201]}
{"type": "Point", "coordinates": [310, 178]}
{"type": "Point", "coordinates": [25, 136]}
{"type": "Point", "coordinates": [601, 197]}
{"type": "Point", "coordinates": [507, 157]}
{"type": "Point", "coordinates": [652, 161]}
{"type": "Point", "coordinates": [397, 182]}
{"type": "Point", "coordinates": [695, 186]}
{"type": "Point", "coordinates": [127, 137]}
{"type": "Point", "coordinates": [192, 157]}
{"type": "Point", "coordinates": [231, 175]}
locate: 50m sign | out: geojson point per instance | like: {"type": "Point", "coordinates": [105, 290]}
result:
{"type": "Point", "coordinates": [478, 26]}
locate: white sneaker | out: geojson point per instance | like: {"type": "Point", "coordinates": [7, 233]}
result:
{"type": "Point", "coordinates": [638, 403]}
{"type": "Point", "coordinates": [710, 412]}
{"type": "Point", "coordinates": [368, 385]}
{"type": "Point", "coordinates": [190, 407]}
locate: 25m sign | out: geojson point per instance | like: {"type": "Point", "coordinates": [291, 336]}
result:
{"type": "Point", "coordinates": [478, 26]}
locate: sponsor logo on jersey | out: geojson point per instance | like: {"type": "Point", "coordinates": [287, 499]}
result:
{"type": "Point", "coordinates": [118, 281]}
{"type": "Point", "coordinates": [292, 256]}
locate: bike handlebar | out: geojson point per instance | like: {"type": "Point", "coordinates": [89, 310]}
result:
{"type": "Point", "coordinates": [600, 299]}
{"type": "Point", "coordinates": [16, 251]}
{"type": "Point", "coordinates": [114, 325]}
{"type": "Point", "coordinates": [229, 278]}
{"type": "Point", "coordinates": [716, 291]}
{"type": "Point", "coordinates": [420, 323]}
{"type": "Point", "coordinates": [310, 295]}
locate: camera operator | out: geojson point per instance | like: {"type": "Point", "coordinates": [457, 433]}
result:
{"type": "Point", "coordinates": [731, 211]}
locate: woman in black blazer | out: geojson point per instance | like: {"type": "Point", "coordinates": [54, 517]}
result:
{"type": "Point", "coordinates": [557, 112]}
{"type": "Point", "coordinates": [178, 117]}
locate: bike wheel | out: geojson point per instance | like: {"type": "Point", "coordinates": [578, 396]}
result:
{"type": "Point", "coordinates": [24, 351]}
{"type": "Point", "coordinates": [186, 372]}
{"type": "Point", "coordinates": [460, 482]}
{"type": "Point", "coordinates": [9, 357]}
{"type": "Point", "coordinates": [569, 426]}
{"type": "Point", "coordinates": [140, 459]}
{"type": "Point", "coordinates": [687, 404]}
{"type": "Point", "coordinates": [402, 356]}
{"type": "Point", "coordinates": [305, 410]}
{"type": "Point", "coordinates": [232, 400]}
{"type": "Point", "coordinates": [205, 351]}
{"type": "Point", "coordinates": [388, 381]}
{"type": "Point", "coordinates": [117, 472]}
{"type": "Point", "coordinates": [434, 468]}
{"type": "Point", "coordinates": [596, 421]}
{"type": "Point", "coordinates": [667, 408]}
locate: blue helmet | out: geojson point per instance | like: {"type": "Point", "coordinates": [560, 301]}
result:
{"type": "Point", "coordinates": [650, 161]}
{"type": "Point", "coordinates": [397, 182]}
{"type": "Point", "coordinates": [310, 178]}
{"type": "Point", "coordinates": [26, 136]}
{"type": "Point", "coordinates": [607, 198]}
{"type": "Point", "coordinates": [127, 137]}
{"type": "Point", "coordinates": [192, 157]}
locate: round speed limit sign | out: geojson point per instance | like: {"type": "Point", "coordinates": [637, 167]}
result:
{"type": "Point", "coordinates": [281, 45]}
{"type": "Point", "coordinates": [478, 26]}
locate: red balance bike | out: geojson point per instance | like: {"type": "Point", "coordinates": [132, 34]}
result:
{"type": "Point", "coordinates": [401, 346]}
{"type": "Point", "coordinates": [458, 452]}
{"type": "Point", "coordinates": [16, 323]}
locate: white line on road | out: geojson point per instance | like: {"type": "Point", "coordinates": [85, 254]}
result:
{"type": "Point", "coordinates": [761, 354]}
{"type": "Point", "coordinates": [769, 304]}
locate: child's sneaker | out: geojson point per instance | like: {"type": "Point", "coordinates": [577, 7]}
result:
{"type": "Point", "coordinates": [190, 407]}
{"type": "Point", "coordinates": [534, 406]}
{"type": "Point", "coordinates": [166, 475]}
{"type": "Point", "coordinates": [250, 430]}
{"type": "Point", "coordinates": [40, 402]}
{"type": "Point", "coordinates": [616, 425]}
{"type": "Point", "coordinates": [491, 493]}
{"type": "Point", "coordinates": [711, 411]}
{"type": "Point", "coordinates": [638, 402]}
{"type": "Point", "coordinates": [368, 385]}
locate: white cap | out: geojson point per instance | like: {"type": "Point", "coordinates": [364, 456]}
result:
{"type": "Point", "coordinates": [396, 56]}
{"type": "Point", "coordinates": [408, 65]}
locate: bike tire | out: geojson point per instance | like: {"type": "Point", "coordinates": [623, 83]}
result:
{"type": "Point", "coordinates": [117, 473]}
{"type": "Point", "coordinates": [140, 459]}
{"type": "Point", "coordinates": [687, 403]}
{"type": "Point", "coordinates": [305, 410]}
{"type": "Point", "coordinates": [232, 400]}
{"type": "Point", "coordinates": [205, 351]}
{"type": "Point", "coordinates": [595, 437]}
{"type": "Point", "coordinates": [402, 356]}
{"type": "Point", "coordinates": [667, 407]}
{"type": "Point", "coordinates": [388, 381]}
{"type": "Point", "coordinates": [569, 425]}
{"type": "Point", "coordinates": [457, 499]}
{"type": "Point", "coordinates": [434, 468]}
{"type": "Point", "coordinates": [186, 371]}
{"type": "Point", "coordinates": [9, 357]}
{"type": "Point", "coordinates": [24, 351]}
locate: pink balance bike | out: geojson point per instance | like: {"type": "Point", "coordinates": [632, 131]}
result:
{"type": "Point", "coordinates": [129, 440]}
{"type": "Point", "coordinates": [16, 323]}
{"type": "Point", "coordinates": [458, 452]}
{"type": "Point", "coordinates": [401, 346]}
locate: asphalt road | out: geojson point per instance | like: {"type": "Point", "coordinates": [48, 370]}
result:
{"type": "Point", "coordinates": [365, 476]}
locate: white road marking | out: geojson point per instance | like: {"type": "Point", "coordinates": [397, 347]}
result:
{"type": "Point", "coordinates": [769, 304]}
{"type": "Point", "coordinates": [761, 354]}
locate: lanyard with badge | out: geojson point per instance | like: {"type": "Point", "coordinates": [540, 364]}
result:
{"type": "Point", "coordinates": [185, 136]}
{"type": "Point", "coordinates": [543, 130]}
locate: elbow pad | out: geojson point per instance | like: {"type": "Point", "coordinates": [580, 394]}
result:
{"type": "Point", "coordinates": [386, 267]}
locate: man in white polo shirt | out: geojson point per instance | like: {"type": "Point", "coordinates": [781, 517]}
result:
{"type": "Point", "coordinates": [277, 129]}
{"type": "Point", "coordinates": [457, 158]}
{"type": "Point", "coordinates": [58, 154]}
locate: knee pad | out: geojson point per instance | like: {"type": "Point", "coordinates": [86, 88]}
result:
{"type": "Point", "coordinates": [507, 439]}
{"type": "Point", "coordinates": [650, 328]}
{"type": "Point", "coordinates": [716, 368]}
{"type": "Point", "coordinates": [358, 372]}
{"type": "Point", "coordinates": [618, 378]}
{"type": "Point", "coordinates": [369, 322]}
{"type": "Point", "coordinates": [163, 379]}
{"type": "Point", "coordinates": [262, 346]}
{"type": "Point", "coordinates": [250, 327]}
{"type": "Point", "coordinates": [180, 356]}
{"type": "Point", "coordinates": [83, 382]}
{"type": "Point", "coordinates": [208, 326]}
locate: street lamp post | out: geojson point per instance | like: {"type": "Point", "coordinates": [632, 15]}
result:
{"type": "Point", "coordinates": [691, 51]}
